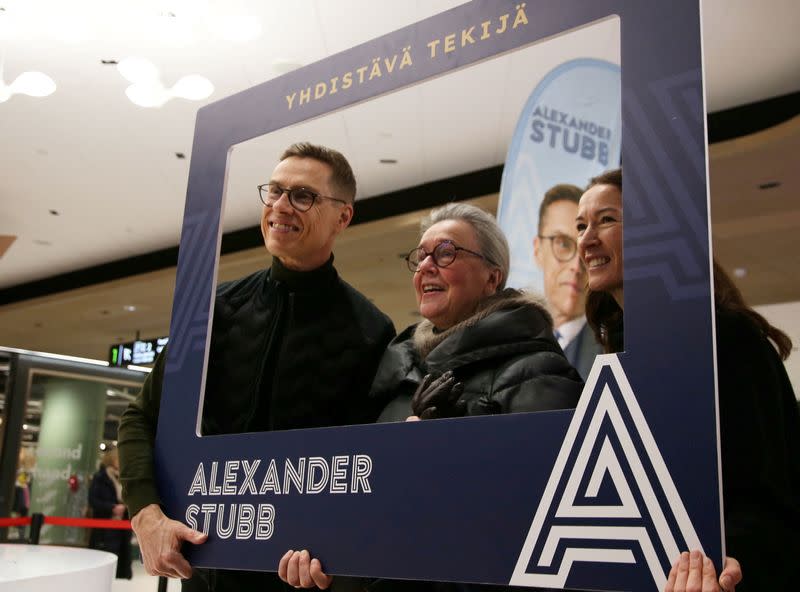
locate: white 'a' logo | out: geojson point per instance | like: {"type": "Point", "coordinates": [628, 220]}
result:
{"type": "Point", "coordinates": [607, 422]}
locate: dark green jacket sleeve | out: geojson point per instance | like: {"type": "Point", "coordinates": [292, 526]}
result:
{"type": "Point", "coordinates": [136, 442]}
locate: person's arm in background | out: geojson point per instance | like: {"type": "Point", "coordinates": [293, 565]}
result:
{"type": "Point", "coordinates": [160, 538]}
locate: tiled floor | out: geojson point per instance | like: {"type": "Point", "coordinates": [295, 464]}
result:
{"type": "Point", "coordinates": [141, 582]}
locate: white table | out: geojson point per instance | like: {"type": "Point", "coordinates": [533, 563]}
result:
{"type": "Point", "coordinates": [45, 568]}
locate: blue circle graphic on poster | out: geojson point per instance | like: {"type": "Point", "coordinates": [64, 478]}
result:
{"type": "Point", "coordinates": [568, 132]}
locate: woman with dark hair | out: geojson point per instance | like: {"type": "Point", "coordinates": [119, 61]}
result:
{"type": "Point", "coordinates": [759, 424]}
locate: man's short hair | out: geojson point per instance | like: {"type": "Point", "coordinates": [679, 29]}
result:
{"type": "Point", "coordinates": [342, 177]}
{"type": "Point", "coordinates": [560, 192]}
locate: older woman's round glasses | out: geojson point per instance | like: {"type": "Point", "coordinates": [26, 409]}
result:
{"type": "Point", "coordinates": [564, 247]}
{"type": "Point", "coordinates": [302, 199]}
{"type": "Point", "coordinates": [443, 255]}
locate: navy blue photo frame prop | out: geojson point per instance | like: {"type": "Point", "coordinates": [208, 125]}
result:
{"type": "Point", "coordinates": [600, 498]}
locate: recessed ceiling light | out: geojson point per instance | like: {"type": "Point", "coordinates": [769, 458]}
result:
{"type": "Point", "coordinates": [147, 94]}
{"type": "Point", "coordinates": [129, 307]}
{"type": "Point", "coordinates": [33, 84]}
{"type": "Point", "coordinates": [388, 161]}
{"type": "Point", "coordinates": [138, 70]}
{"type": "Point", "coordinates": [770, 185]}
{"type": "Point", "coordinates": [180, 155]}
{"type": "Point", "coordinates": [192, 87]}
{"type": "Point", "coordinates": [740, 272]}
{"type": "Point", "coordinates": [54, 212]}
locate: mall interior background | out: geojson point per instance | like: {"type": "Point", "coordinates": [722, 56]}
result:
{"type": "Point", "coordinates": [94, 185]}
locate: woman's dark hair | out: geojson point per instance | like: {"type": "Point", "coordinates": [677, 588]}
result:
{"type": "Point", "coordinates": [612, 177]}
{"type": "Point", "coordinates": [605, 316]}
{"type": "Point", "coordinates": [729, 298]}
{"type": "Point", "coordinates": [602, 312]}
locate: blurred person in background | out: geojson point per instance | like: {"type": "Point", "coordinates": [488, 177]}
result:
{"type": "Point", "coordinates": [105, 501]}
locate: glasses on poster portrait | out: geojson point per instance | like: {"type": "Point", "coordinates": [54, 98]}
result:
{"type": "Point", "coordinates": [564, 247]}
{"type": "Point", "coordinates": [443, 255]}
{"type": "Point", "coordinates": [302, 199]}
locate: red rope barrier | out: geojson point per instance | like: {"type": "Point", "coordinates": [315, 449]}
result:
{"type": "Point", "coordinates": [6, 522]}
{"type": "Point", "coordinates": [88, 522]}
{"type": "Point", "coordinates": [63, 521]}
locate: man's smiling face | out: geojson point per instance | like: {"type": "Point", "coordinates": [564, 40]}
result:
{"type": "Point", "coordinates": [303, 240]}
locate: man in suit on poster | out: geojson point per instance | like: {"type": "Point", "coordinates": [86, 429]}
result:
{"type": "Point", "coordinates": [556, 254]}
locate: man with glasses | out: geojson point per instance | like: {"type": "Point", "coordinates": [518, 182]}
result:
{"type": "Point", "coordinates": [292, 346]}
{"type": "Point", "coordinates": [555, 250]}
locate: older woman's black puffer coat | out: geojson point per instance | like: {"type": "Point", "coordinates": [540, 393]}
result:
{"type": "Point", "coordinates": [504, 354]}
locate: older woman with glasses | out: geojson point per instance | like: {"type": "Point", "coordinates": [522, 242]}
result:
{"type": "Point", "coordinates": [481, 349]}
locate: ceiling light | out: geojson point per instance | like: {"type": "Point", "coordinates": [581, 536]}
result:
{"type": "Point", "coordinates": [138, 70]}
{"type": "Point", "coordinates": [149, 94]}
{"type": "Point", "coordinates": [238, 29]}
{"type": "Point", "coordinates": [193, 87]}
{"type": "Point", "coordinates": [740, 272]}
{"type": "Point", "coordinates": [129, 307]}
{"type": "Point", "coordinates": [33, 84]}
{"type": "Point", "coordinates": [102, 445]}
{"type": "Point", "coordinates": [24, 426]}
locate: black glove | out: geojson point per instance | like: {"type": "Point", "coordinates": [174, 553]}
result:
{"type": "Point", "coordinates": [438, 398]}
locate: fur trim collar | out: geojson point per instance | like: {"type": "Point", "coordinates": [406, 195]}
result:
{"type": "Point", "coordinates": [426, 338]}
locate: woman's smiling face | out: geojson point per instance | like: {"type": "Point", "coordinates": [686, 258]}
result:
{"type": "Point", "coordinates": [599, 224]}
{"type": "Point", "coordinates": [448, 295]}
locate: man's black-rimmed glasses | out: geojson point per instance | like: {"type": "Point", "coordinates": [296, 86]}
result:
{"type": "Point", "coordinates": [302, 199]}
{"type": "Point", "coordinates": [564, 247]}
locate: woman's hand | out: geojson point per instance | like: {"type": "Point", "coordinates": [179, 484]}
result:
{"type": "Point", "coordinates": [438, 398]}
{"type": "Point", "coordinates": [297, 569]}
{"type": "Point", "coordinates": [694, 572]}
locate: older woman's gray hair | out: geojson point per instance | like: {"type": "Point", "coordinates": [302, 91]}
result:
{"type": "Point", "coordinates": [492, 242]}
